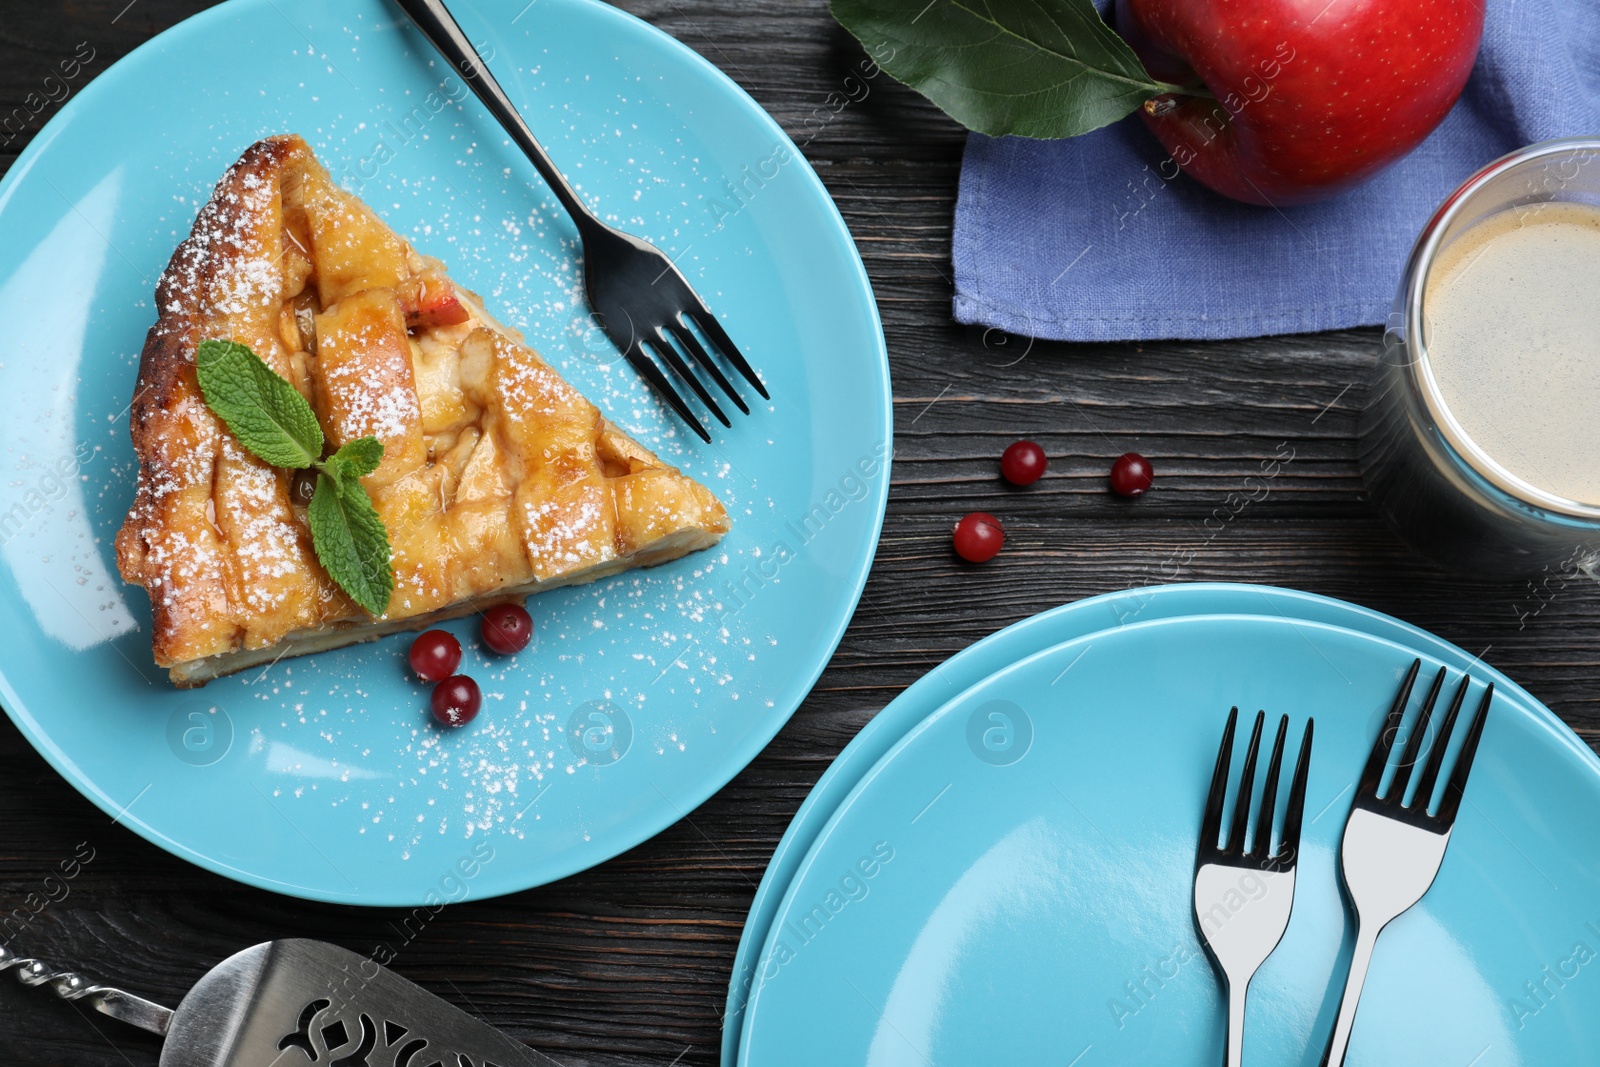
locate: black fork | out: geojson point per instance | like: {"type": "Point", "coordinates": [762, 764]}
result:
{"type": "Point", "coordinates": [1243, 894]}
{"type": "Point", "coordinates": [1259, 854]}
{"type": "Point", "coordinates": [1392, 801]}
{"type": "Point", "coordinates": [639, 297]}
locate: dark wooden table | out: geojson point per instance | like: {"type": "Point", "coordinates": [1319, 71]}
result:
{"type": "Point", "coordinates": [629, 963]}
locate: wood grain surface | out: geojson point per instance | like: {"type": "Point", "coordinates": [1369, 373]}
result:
{"type": "Point", "coordinates": [629, 963]}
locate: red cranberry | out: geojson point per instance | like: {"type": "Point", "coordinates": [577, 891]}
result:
{"type": "Point", "coordinates": [507, 628]}
{"type": "Point", "coordinates": [1131, 474]}
{"type": "Point", "coordinates": [978, 536]}
{"type": "Point", "coordinates": [435, 655]}
{"type": "Point", "coordinates": [456, 700]}
{"type": "Point", "coordinates": [1023, 463]}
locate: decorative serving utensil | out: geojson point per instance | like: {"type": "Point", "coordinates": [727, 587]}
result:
{"type": "Point", "coordinates": [1243, 897]}
{"type": "Point", "coordinates": [296, 1002]}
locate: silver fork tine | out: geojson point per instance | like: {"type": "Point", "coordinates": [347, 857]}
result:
{"type": "Point", "coordinates": [1211, 823]}
{"type": "Point", "coordinates": [1289, 843]}
{"type": "Point", "coordinates": [1372, 774]}
{"type": "Point", "coordinates": [659, 342]}
{"type": "Point", "coordinates": [646, 368]}
{"type": "Point", "coordinates": [1430, 771]}
{"type": "Point", "coordinates": [713, 329]}
{"type": "Point", "coordinates": [1451, 802]}
{"type": "Point", "coordinates": [1247, 781]}
{"type": "Point", "coordinates": [691, 344]}
{"type": "Point", "coordinates": [1262, 845]}
{"type": "Point", "coordinates": [1408, 755]}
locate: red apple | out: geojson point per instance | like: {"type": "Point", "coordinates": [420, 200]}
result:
{"type": "Point", "coordinates": [1311, 96]}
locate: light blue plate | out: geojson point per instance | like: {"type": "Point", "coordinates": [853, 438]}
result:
{"type": "Point", "coordinates": [1030, 901]}
{"type": "Point", "coordinates": [971, 665]}
{"type": "Point", "coordinates": [321, 776]}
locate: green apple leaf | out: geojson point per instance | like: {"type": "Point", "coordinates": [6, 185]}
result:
{"type": "Point", "coordinates": [1034, 68]}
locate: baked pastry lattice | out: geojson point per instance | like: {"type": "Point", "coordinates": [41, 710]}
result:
{"type": "Point", "coordinates": [498, 478]}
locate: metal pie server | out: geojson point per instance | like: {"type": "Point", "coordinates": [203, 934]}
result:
{"type": "Point", "coordinates": [297, 1002]}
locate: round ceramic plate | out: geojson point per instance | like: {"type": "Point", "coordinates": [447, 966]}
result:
{"type": "Point", "coordinates": [1029, 900]}
{"type": "Point", "coordinates": [321, 776]}
{"type": "Point", "coordinates": [995, 652]}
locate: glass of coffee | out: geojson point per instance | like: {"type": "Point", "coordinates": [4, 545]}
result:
{"type": "Point", "coordinates": [1480, 442]}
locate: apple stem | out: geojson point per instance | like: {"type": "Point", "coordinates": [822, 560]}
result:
{"type": "Point", "coordinates": [1198, 91]}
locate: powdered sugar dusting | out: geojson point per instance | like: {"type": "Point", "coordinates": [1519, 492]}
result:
{"type": "Point", "coordinates": [699, 656]}
{"type": "Point", "coordinates": [554, 531]}
{"type": "Point", "coordinates": [387, 414]}
{"type": "Point", "coordinates": [229, 268]}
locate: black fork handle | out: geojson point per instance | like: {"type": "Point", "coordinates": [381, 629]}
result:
{"type": "Point", "coordinates": [441, 28]}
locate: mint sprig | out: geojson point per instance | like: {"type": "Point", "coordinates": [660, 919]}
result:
{"type": "Point", "coordinates": [273, 422]}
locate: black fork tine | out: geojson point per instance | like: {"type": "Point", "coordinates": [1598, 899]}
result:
{"type": "Point", "coordinates": [1451, 802]}
{"type": "Point", "coordinates": [1289, 843]}
{"type": "Point", "coordinates": [659, 342]}
{"type": "Point", "coordinates": [1247, 781]}
{"type": "Point", "coordinates": [713, 329]}
{"type": "Point", "coordinates": [1430, 770]}
{"type": "Point", "coordinates": [646, 368]}
{"type": "Point", "coordinates": [1372, 774]}
{"type": "Point", "coordinates": [1262, 845]}
{"type": "Point", "coordinates": [1413, 749]}
{"type": "Point", "coordinates": [691, 344]}
{"type": "Point", "coordinates": [1211, 823]}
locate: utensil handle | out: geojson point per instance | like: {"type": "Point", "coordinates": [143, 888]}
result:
{"type": "Point", "coordinates": [117, 1003]}
{"type": "Point", "coordinates": [1360, 960]}
{"type": "Point", "coordinates": [441, 28]}
{"type": "Point", "coordinates": [1236, 1024]}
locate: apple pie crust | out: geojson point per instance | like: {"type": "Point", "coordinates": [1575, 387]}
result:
{"type": "Point", "coordinates": [498, 478]}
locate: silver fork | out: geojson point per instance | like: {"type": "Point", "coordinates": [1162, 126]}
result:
{"type": "Point", "coordinates": [639, 297]}
{"type": "Point", "coordinates": [1242, 897]}
{"type": "Point", "coordinates": [1392, 850]}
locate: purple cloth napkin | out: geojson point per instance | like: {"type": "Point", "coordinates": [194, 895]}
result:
{"type": "Point", "coordinates": [1083, 240]}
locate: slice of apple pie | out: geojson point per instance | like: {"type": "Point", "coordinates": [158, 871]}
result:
{"type": "Point", "coordinates": [497, 479]}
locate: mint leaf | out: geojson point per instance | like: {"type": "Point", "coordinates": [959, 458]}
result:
{"type": "Point", "coordinates": [1035, 68]}
{"type": "Point", "coordinates": [349, 538]}
{"type": "Point", "coordinates": [356, 459]}
{"type": "Point", "coordinates": [264, 411]}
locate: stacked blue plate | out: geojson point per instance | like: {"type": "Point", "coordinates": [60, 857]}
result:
{"type": "Point", "coordinates": [999, 868]}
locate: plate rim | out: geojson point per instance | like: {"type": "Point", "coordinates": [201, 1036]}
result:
{"type": "Point", "coordinates": [1505, 688]}
{"type": "Point", "coordinates": [491, 883]}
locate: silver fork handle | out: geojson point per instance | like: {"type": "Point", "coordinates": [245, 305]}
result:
{"type": "Point", "coordinates": [1360, 960]}
{"type": "Point", "coordinates": [1236, 1024]}
{"type": "Point", "coordinates": [68, 985]}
